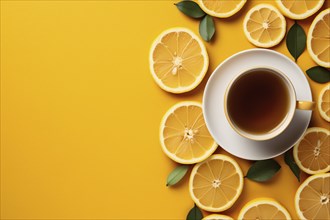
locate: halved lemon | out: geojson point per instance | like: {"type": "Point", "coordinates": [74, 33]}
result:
{"type": "Point", "coordinates": [263, 208]}
{"type": "Point", "coordinates": [178, 60]}
{"type": "Point", "coordinates": [312, 152]}
{"type": "Point", "coordinates": [217, 217]}
{"type": "Point", "coordinates": [318, 39]}
{"type": "Point", "coordinates": [221, 8]}
{"type": "Point", "coordinates": [216, 183]}
{"type": "Point", "coordinates": [324, 103]}
{"type": "Point", "coordinates": [264, 26]}
{"type": "Point", "coordinates": [183, 134]}
{"type": "Point", "coordinates": [299, 9]}
{"type": "Point", "coordinates": [312, 200]}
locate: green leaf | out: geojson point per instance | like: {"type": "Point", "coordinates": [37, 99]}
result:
{"type": "Point", "coordinates": [190, 8]}
{"type": "Point", "coordinates": [263, 170]}
{"type": "Point", "coordinates": [176, 175]}
{"type": "Point", "coordinates": [296, 40]}
{"type": "Point", "coordinates": [288, 158]}
{"type": "Point", "coordinates": [195, 214]}
{"type": "Point", "coordinates": [206, 28]}
{"type": "Point", "coordinates": [319, 74]}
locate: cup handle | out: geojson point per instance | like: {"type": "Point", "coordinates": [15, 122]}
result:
{"type": "Point", "coordinates": [305, 105]}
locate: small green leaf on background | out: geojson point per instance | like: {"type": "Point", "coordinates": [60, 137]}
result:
{"type": "Point", "coordinates": [195, 214]}
{"type": "Point", "coordinates": [263, 170]}
{"type": "Point", "coordinates": [176, 175]}
{"type": "Point", "coordinates": [319, 74]}
{"type": "Point", "coordinates": [190, 8]}
{"type": "Point", "coordinates": [296, 40]}
{"type": "Point", "coordinates": [288, 158]}
{"type": "Point", "coordinates": [206, 28]}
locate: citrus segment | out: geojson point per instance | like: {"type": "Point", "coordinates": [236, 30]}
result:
{"type": "Point", "coordinates": [312, 200]}
{"type": "Point", "coordinates": [263, 208]}
{"type": "Point", "coordinates": [312, 152]}
{"type": "Point", "coordinates": [299, 9]}
{"type": "Point", "coordinates": [318, 39]}
{"type": "Point", "coordinates": [217, 217]}
{"type": "Point", "coordinates": [183, 134]}
{"type": "Point", "coordinates": [264, 26]}
{"type": "Point", "coordinates": [221, 8]}
{"type": "Point", "coordinates": [216, 183]}
{"type": "Point", "coordinates": [324, 103]}
{"type": "Point", "coordinates": [178, 60]}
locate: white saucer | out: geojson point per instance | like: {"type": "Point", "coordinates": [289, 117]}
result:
{"type": "Point", "coordinates": [213, 105]}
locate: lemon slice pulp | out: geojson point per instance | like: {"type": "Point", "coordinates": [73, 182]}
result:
{"type": "Point", "coordinates": [312, 200]}
{"type": "Point", "coordinates": [178, 60]}
{"type": "Point", "coordinates": [263, 208]}
{"type": "Point", "coordinates": [216, 183]}
{"type": "Point", "coordinates": [264, 26]}
{"type": "Point", "coordinates": [318, 39]}
{"type": "Point", "coordinates": [324, 103]}
{"type": "Point", "coordinates": [311, 153]}
{"type": "Point", "coordinates": [183, 134]}
{"type": "Point", "coordinates": [299, 9]}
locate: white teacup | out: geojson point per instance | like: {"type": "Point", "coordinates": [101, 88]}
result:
{"type": "Point", "coordinates": [239, 90]}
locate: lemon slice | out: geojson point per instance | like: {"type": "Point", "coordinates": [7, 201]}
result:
{"type": "Point", "coordinates": [324, 103]}
{"type": "Point", "coordinates": [183, 134]}
{"type": "Point", "coordinates": [299, 9]}
{"type": "Point", "coordinates": [264, 208]}
{"type": "Point", "coordinates": [311, 153]}
{"type": "Point", "coordinates": [318, 39]}
{"type": "Point", "coordinates": [221, 8]}
{"type": "Point", "coordinates": [264, 26]}
{"type": "Point", "coordinates": [217, 217]}
{"type": "Point", "coordinates": [312, 200]}
{"type": "Point", "coordinates": [216, 183]}
{"type": "Point", "coordinates": [178, 60]}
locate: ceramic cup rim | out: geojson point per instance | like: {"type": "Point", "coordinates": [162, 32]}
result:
{"type": "Point", "coordinates": [285, 121]}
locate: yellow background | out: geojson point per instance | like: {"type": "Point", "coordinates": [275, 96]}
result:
{"type": "Point", "coordinates": [80, 111]}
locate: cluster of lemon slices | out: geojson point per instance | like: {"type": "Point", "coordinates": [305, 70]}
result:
{"type": "Point", "coordinates": [312, 155]}
{"type": "Point", "coordinates": [265, 26]}
{"type": "Point", "coordinates": [216, 181]}
{"type": "Point", "coordinates": [179, 62]}
{"type": "Point", "coordinates": [178, 58]}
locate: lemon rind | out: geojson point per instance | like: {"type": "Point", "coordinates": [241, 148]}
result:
{"type": "Point", "coordinates": [221, 15]}
{"type": "Point", "coordinates": [217, 217]}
